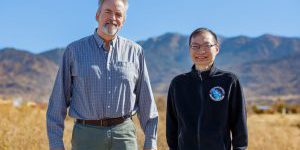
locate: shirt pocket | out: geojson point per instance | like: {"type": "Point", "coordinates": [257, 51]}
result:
{"type": "Point", "coordinates": [90, 71]}
{"type": "Point", "coordinates": [87, 75]}
{"type": "Point", "coordinates": [126, 71]}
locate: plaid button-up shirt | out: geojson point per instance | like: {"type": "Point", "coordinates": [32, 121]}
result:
{"type": "Point", "coordinates": [96, 84]}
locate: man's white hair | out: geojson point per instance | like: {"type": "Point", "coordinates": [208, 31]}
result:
{"type": "Point", "coordinates": [100, 2]}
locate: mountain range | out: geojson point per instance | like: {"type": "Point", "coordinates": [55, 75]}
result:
{"type": "Point", "coordinates": [268, 66]}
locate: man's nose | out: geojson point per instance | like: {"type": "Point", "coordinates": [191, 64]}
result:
{"type": "Point", "coordinates": [112, 16]}
{"type": "Point", "coordinates": [202, 51]}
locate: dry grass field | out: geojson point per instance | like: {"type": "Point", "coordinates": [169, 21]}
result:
{"type": "Point", "coordinates": [24, 128]}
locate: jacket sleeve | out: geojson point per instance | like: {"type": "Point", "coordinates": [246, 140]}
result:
{"type": "Point", "coordinates": [238, 117]}
{"type": "Point", "coordinates": [171, 122]}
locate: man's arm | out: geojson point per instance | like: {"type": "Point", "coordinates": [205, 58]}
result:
{"type": "Point", "coordinates": [147, 111]}
{"type": "Point", "coordinates": [171, 122]}
{"type": "Point", "coordinates": [238, 117]}
{"type": "Point", "coordinates": [58, 103]}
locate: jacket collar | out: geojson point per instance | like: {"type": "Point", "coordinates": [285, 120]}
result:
{"type": "Point", "coordinates": [204, 74]}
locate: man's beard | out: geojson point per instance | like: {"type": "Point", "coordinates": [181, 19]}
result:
{"type": "Point", "coordinates": [110, 29]}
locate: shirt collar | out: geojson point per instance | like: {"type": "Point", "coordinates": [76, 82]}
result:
{"type": "Point", "coordinates": [100, 41]}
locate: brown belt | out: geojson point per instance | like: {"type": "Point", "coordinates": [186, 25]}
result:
{"type": "Point", "coordinates": [104, 122]}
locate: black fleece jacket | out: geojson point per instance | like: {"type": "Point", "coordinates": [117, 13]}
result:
{"type": "Point", "coordinates": [204, 109]}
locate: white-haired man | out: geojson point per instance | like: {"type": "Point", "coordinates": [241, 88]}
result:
{"type": "Point", "coordinates": [103, 80]}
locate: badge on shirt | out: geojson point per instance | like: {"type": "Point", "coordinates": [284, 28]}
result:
{"type": "Point", "coordinates": [217, 93]}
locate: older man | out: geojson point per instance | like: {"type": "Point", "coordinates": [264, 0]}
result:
{"type": "Point", "coordinates": [103, 80]}
{"type": "Point", "coordinates": [206, 108]}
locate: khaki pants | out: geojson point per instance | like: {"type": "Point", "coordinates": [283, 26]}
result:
{"type": "Point", "coordinates": [119, 137]}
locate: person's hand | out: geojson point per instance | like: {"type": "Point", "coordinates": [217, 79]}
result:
{"type": "Point", "coordinates": [149, 149]}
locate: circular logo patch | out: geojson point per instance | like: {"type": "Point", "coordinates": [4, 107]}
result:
{"type": "Point", "coordinates": [217, 93]}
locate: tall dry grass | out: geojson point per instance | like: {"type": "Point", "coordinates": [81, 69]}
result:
{"type": "Point", "coordinates": [274, 132]}
{"type": "Point", "coordinates": [24, 128]}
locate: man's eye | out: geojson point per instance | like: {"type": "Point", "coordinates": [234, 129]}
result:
{"type": "Point", "coordinates": [118, 15]}
{"type": "Point", "coordinates": [107, 12]}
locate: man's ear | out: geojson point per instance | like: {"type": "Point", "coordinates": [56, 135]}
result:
{"type": "Point", "coordinates": [97, 15]}
{"type": "Point", "coordinates": [124, 20]}
{"type": "Point", "coordinates": [125, 17]}
{"type": "Point", "coordinates": [217, 48]}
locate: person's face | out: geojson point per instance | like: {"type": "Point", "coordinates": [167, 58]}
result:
{"type": "Point", "coordinates": [110, 17]}
{"type": "Point", "coordinates": [203, 49]}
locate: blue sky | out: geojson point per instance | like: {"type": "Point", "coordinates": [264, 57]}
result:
{"type": "Point", "coordinates": [40, 25]}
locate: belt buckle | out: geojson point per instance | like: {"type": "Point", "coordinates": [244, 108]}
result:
{"type": "Point", "coordinates": [101, 122]}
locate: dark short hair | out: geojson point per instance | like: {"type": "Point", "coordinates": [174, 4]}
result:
{"type": "Point", "coordinates": [201, 30]}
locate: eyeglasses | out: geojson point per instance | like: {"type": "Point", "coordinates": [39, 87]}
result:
{"type": "Point", "coordinates": [197, 47]}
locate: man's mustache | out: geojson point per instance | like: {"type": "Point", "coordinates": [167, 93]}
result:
{"type": "Point", "coordinates": [111, 22]}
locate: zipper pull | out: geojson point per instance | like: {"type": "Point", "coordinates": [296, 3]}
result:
{"type": "Point", "coordinates": [200, 76]}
